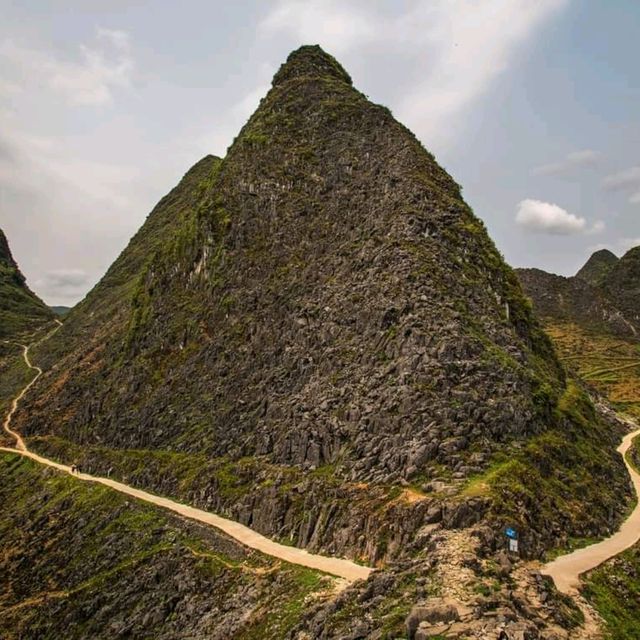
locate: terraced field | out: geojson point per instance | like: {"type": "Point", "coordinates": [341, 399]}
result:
{"type": "Point", "coordinates": [608, 363]}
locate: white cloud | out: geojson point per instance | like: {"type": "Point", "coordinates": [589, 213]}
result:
{"type": "Point", "coordinates": [546, 217]}
{"type": "Point", "coordinates": [229, 123]}
{"type": "Point", "coordinates": [89, 80]}
{"type": "Point", "coordinates": [627, 180]}
{"type": "Point", "coordinates": [596, 227]}
{"type": "Point", "coordinates": [462, 45]}
{"type": "Point", "coordinates": [573, 160]}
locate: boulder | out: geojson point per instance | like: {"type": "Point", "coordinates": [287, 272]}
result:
{"type": "Point", "coordinates": [437, 612]}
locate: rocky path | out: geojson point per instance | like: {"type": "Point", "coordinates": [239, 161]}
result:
{"type": "Point", "coordinates": [345, 569]}
{"type": "Point", "coordinates": [566, 570]}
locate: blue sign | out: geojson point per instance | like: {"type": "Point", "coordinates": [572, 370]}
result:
{"type": "Point", "coordinates": [511, 533]}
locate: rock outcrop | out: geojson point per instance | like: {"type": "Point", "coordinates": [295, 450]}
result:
{"type": "Point", "coordinates": [598, 267]}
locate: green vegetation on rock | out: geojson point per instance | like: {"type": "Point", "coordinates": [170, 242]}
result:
{"type": "Point", "coordinates": [21, 311]}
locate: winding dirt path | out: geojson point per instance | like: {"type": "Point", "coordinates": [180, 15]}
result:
{"type": "Point", "coordinates": [566, 570]}
{"type": "Point", "coordinates": [342, 568]}
{"type": "Point", "coordinates": [6, 425]}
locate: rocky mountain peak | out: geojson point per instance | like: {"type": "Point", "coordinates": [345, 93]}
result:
{"type": "Point", "coordinates": [597, 267]}
{"type": "Point", "coordinates": [626, 272]}
{"type": "Point", "coordinates": [310, 61]}
{"type": "Point", "coordinates": [325, 297]}
{"type": "Point", "coordinates": [622, 283]}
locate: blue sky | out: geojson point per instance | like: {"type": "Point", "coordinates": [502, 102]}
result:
{"type": "Point", "coordinates": [531, 106]}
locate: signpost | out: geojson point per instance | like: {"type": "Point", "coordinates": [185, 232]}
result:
{"type": "Point", "coordinates": [512, 537]}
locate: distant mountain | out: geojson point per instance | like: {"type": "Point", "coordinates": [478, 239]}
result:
{"type": "Point", "coordinates": [60, 311]}
{"type": "Point", "coordinates": [597, 267]}
{"type": "Point", "coordinates": [20, 309]}
{"type": "Point", "coordinates": [594, 319]}
{"type": "Point", "coordinates": [604, 295]}
{"type": "Point", "coordinates": [574, 299]}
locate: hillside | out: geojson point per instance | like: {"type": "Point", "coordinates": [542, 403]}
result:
{"type": "Point", "coordinates": [594, 322]}
{"type": "Point", "coordinates": [575, 300]}
{"type": "Point", "coordinates": [90, 564]}
{"type": "Point", "coordinates": [316, 337]}
{"type": "Point", "coordinates": [21, 311]}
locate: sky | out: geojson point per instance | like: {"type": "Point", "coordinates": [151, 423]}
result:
{"type": "Point", "coordinates": [104, 104]}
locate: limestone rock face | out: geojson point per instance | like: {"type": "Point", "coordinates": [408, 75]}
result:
{"type": "Point", "coordinates": [322, 296]}
{"type": "Point", "coordinates": [603, 296]}
{"type": "Point", "coordinates": [622, 285]}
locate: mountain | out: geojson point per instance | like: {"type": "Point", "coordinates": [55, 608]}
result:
{"type": "Point", "coordinates": [123, 569]}
{"type": "Point", "coordinates": [316, 337]}
{"type": "Point", "coordinates": [622, 285]}
{"type": "Point", "coordinates": [61, 311]}
{"type": "Point", "coordinates": [597, 267]}
{"type": "Point", "coordinates": [574, 300]}
{"type": "Point", "coordinates": [603, 295]}
{"type": "Point", "coordinates": [20, 309]}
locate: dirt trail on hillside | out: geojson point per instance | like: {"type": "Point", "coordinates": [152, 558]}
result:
{"type": "Point", "coordinates": [6, 425]}
{"type": "Point", "coordinates": [345, 569]}
{"type": "Point", "coordinates": [566, 570]}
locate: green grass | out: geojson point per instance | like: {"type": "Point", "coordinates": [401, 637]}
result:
{"type": "Point", "coordinates": [572, 544]}
{"type": "Point", "coordinates": [609, 363]}
{"type": "Point", "coordinates": [614, 590]}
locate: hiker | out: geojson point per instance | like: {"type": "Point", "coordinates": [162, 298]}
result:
{"type": "Point", "coordinates": [74, 469]}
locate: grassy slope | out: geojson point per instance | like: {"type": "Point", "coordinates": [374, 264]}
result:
{"type": "Point", "coordinates": [14, 376]}
{"type": "Point", "coordinates": [542, 487]}
{"type": "Point", "coordinates": [21, 310]}
{"type": "Point", "coordinates": [81, 561]}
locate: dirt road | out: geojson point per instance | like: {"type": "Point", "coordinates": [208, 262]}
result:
{"type": "Point", "coordinates": [342, 568]}
{"type": "Point", "coordinates": [566, 570]}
